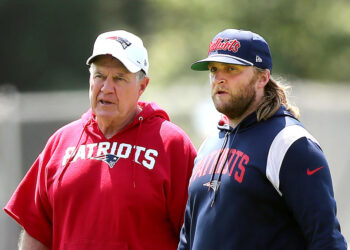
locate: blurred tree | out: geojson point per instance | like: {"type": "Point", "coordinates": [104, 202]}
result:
{"type": "Point", "coordinates": [45, 44]}
{"type": "Point", "coordinates": [308, 39]}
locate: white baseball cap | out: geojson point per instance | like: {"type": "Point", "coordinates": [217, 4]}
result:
{"type": "Point", "coordinates": [124, 46]}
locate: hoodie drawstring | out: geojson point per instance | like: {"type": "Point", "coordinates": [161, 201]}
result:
{"type": "Point", "coordinates": [218, 159]}
{"type": "Point", "coordinates": [133, 158]}
{"type": "Point", "coordinates": [218, 181]}
{"type": "Point", "coordinates": [65, 167]}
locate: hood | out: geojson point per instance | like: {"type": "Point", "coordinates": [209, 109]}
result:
{"type": "Point", "coordinates": [149, 110]}
{"type": "Point", "coordinates": [250, 120]}
{"type": "Point", "coordinates": [89, 125]}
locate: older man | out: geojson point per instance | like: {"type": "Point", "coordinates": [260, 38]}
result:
{"type": "Point", "coordinates": [116, 178]}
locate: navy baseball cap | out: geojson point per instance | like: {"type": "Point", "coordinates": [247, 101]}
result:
{"type": "Point", "coordinates": [240, 47]}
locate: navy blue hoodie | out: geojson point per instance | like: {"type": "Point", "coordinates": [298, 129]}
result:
{"type": "Point", "coordinates": [261, 185]}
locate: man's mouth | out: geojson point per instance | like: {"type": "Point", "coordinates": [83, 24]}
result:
{"type": "Point", "coordinates": [220, 92]}
{"type": "Point", "coordinates": [105, 102]}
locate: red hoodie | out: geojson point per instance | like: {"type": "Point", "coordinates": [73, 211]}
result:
{"type": "Point", "coordinates": [127, 192]}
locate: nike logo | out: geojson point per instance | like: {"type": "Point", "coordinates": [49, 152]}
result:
{"type": "Point", "coordinates": [311, 172]}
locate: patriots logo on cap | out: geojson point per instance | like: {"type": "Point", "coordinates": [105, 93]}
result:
{"type": "Point", "coordinates": [110, 159]}
{"type": "Point", "coordinates": [124, 42]}
{"type": "Point", "coordinates": [224, 44]}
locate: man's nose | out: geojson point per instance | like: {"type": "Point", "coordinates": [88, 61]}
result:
{"type": "Point", "coordinates": [218, 77]}
{"type": "Point", "coordinates": [107, 85]}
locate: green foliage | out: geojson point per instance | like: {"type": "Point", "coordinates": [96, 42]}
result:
{"type": "Point", "coordinates": [45, 44]}
{"type": "Point", "coordinates": [308, 39]}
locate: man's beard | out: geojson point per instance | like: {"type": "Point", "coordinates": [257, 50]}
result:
{"type": "Point", "coordinates": [239, 103]}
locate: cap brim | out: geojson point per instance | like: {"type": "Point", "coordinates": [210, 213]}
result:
{"type": "Point", "coordinates": [90, 59]}
{"type": "Point", "coordinates": [130, 66]}
{"type": "Point", "coordinates": [202, 65]}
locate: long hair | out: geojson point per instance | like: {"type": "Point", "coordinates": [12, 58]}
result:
{"type": "Point", "coordinates": [275, 95]}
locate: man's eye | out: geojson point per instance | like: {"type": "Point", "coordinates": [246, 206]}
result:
{"type": "Point", "coordinates": [231, 68]}
{"type": "Point", "coordinates": [212, 69]}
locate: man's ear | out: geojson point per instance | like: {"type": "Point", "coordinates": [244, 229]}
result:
{"type": "Point", "coordinates": [264, 78]}
{"type": "Point", "coordinates": [143, 85]}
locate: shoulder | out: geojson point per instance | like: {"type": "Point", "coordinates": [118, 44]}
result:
{"type": "Point", "coordinates": [286, 137]}
{"type": "Point", "coordinates": [291, 138]}
{"type": "Point", "coordinates": [170, 130]}
{"type": "Point", "coordinates": [172, 136]}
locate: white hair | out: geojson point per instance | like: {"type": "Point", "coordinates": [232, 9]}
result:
{"type": "Point", "coordinates": [140, 75]}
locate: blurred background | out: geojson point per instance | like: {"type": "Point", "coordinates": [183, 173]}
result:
{"type": "Point", "coordinates": [44, 79]}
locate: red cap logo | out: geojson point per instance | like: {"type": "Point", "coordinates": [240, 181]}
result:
{"type": "Point", "coordinates": [224, 44]}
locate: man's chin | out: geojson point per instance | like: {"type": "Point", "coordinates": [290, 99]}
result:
{"type": "Point", "coordinates": [220, 107]}
{"type": "Point", "coordinates": [105, 114]}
